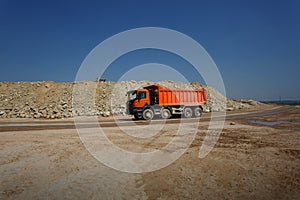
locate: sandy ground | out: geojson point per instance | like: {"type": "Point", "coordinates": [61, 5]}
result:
{"type": "Point", "coordinates": [249, 161]}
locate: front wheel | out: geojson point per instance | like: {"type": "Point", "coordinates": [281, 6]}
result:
{"type": "Point", "coordinates": [148, 114]}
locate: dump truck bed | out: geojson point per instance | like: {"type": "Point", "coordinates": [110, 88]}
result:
{"type": "Point", "coordinates": [169, 97]}
{"type": "Point", "coordinates": [175, 97]}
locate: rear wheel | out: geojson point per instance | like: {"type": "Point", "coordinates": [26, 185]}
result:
{"type": "Point", "coordinates": [197, 112]}
{"type": "Point", "coordinates": [148, 114]}
{"type": "Point", "coordinates": [165, 113]}
{"type": "Point", "coordinates": [187, 112]}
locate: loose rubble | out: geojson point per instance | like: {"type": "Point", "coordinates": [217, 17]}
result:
{"type": "Point", "coordinates": [63, 100]}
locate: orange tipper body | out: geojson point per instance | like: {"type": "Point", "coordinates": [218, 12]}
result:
{"type": "Point", "coordinates": [155, 100]}
{"type": "Point", "coordinates": [177, 97]}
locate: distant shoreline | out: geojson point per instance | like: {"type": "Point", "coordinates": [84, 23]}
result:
{"type": "Point", "coordinates": [283, 102]}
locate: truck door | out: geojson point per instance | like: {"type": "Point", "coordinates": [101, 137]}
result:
{"type": "Point", "coordinates": [142, 99]}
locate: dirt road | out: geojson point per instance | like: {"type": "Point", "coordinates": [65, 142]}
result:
{"type": "Point", "coordinates": [251, 160]}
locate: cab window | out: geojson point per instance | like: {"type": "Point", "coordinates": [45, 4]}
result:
{"type": "Point", "coordinates": [142, 95]}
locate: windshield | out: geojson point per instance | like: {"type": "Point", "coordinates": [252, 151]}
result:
{"type": "Point", "coordinates": [131, 95]}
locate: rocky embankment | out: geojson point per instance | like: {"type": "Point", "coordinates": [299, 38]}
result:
{"type": "Point", "coordinates": [62, 100]}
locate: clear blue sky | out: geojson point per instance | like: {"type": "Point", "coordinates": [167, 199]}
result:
{"type": "Point", "coordinates": [255, 44]}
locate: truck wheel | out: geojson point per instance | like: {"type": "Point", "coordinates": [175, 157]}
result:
{"type": "Point", "coordinates": [148, 114]}
{"type": "Point", "coordinates": [187, 112]}
{"type": "Point", "coordinates": [197, 112]}
{"type": "Point", "coordinates": [165, 113]}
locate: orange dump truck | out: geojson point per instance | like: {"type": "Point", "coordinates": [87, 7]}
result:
{"type": "Point", "coordinates": [154, 100]}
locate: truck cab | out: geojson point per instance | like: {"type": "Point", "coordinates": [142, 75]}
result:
{"type": "Point", "coordinates": [137, 99]}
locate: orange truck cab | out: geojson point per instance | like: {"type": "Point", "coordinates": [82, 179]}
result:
{"type": "Point", "coordinates": [154, 100]}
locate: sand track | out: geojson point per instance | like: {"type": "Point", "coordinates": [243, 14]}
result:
{"type": "Point", "coordinates": [249, 161]}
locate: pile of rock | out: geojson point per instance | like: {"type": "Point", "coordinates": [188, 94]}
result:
{"type": "Point", "coordinates": [92, 98]}
{"type": "Point", "coordinates": [35, 100]}
{"type": "Point", "coordinates": [63, 100]}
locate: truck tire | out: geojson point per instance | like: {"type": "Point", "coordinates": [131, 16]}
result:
{"type": "Point", "coordinates": [187, 112]}
{"type": "Point", "coordinates": [148, 114]}
{"type": "Point", "coordinates": [197, 112]}
{"type": "Point", "coordinates": [165, 113]}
